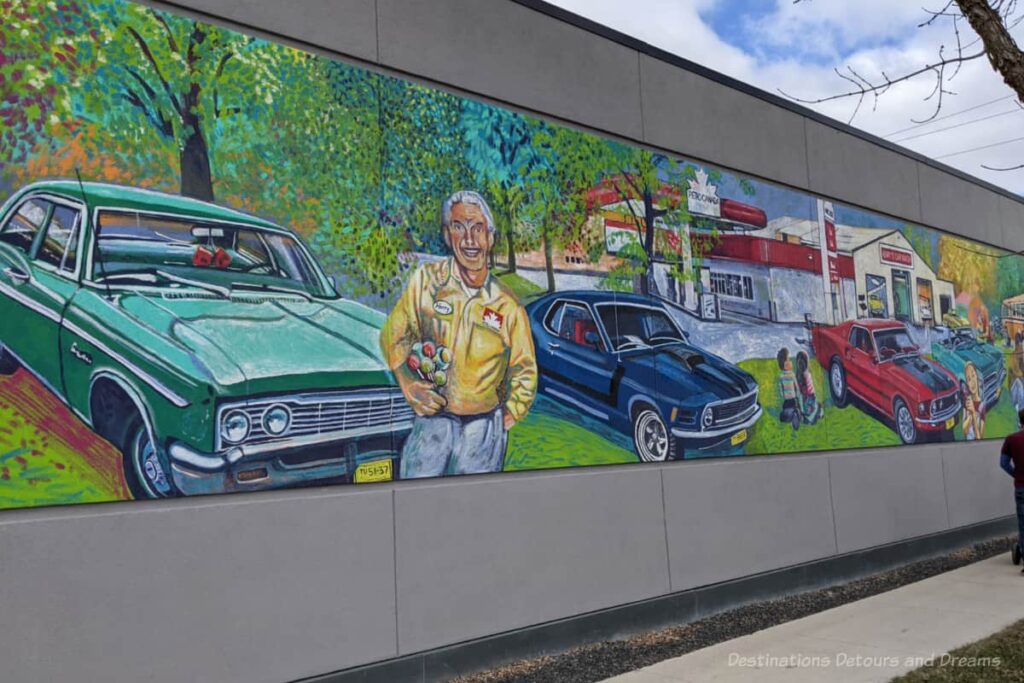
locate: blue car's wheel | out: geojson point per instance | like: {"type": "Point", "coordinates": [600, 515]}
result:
{"type": "Point", "coordinates": [651, 438]}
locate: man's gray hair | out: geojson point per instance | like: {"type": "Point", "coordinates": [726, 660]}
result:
{"type": "Point", "coordinates": [466, 197]}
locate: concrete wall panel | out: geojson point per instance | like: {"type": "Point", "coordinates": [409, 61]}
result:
{"type": "Point", "coordinates": [247, 588]}
{"type": "Point", "coordinates": [1012, 221]}
{"type": "Point", "coordinates": [345, 26]}
{"type": "Point", "coordinates": [888, 495]}
{"type": "Point", "coordinates": [951, 204]}
{"type": "Point", "coordinates": [696, 116]}
{"type": "Point", "coordinates": [516, 54]}
{"type": "Point", "coordinates": [488, 555]}
{"type": "Point", "coordinates": [731, 519]}
{"type": "Point", "coordinates": [976, 489]}
{"type": "Point", "coordinates": [848, 168]}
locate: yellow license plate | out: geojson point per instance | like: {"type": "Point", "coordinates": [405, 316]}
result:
{"type": "Point", "coordinates": [950, 423]}
{"type": "Point", "coordinates": [739, 437]}
{"type": "Point", "coordinates": [378, 470]}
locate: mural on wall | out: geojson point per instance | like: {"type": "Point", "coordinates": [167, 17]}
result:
{"type": "Point", "coordinates": [228, 265]}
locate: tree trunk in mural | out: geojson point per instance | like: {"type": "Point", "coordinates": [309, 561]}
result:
{"type": "Point", "coordinates": [510, 241]}
{"type": "Point", "coordinates": [549, 262]}
{"type": "Point", "coordinates": [196, 178]}
{"type": "Point", "coordinates": [651, 215]}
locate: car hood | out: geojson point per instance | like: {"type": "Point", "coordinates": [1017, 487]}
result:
{"type": "Point", "coordinates": [688, 371]}
{"type": "Point", "coordinates": [920, 371]}
{"type": "Point", "coordinates": [985, 357]}
{"type": "Point", "coordinates": [265, 344]}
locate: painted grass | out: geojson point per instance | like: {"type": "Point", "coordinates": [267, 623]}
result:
{"type": "Point", "coordinates": [47, 456]}
{"type": "Point", "coordinates": [524, 290]}
{"type": "Point", "coordinates": [839, 428]}
{"type": "Point", "coordinates": [553, 436]}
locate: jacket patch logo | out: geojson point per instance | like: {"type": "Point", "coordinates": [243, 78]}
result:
{"type": "Point", "coordinates": [493, 319]}
{"type": "Point", "coordinates": [443, 307]}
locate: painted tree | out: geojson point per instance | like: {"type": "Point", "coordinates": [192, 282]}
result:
{"type": "Point", "coordinates": [500, 151]}
{"type": "Point", "coordinates": [644, 182]}
{"type": "Point", "coordinates": [182, 79]}
{"type": "Point", "coordinates": [39, 60]}
{"type": "Point", "coordinates": [423, 160]}
{"type": "Point", "coordinates": [566, 169]}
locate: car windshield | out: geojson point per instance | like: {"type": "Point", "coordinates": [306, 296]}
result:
{"type": "Point", "coordinates": [964, 336]}
{"type": "Point", "coordinates": [892, 343]}
{"type": "Point", "coordinates": [219, 257]}
{"type": "Point", "coordinates": [637, 327]}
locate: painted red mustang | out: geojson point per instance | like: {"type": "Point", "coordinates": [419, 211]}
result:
{"type": "Point", "coordinates": [878, 362]}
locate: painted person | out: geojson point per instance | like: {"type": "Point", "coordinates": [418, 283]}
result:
{"type": "Point", "coordinates": [1017, 372]}
{"type": "Point", "coordinates": [787, 389]}
{"type": "Point", "coordinates": [974, 405]}
{"type": "Point", "coordinates": [810, 408]}
{"type": "Point", "coordinates": [1011, 459]}
{"type": "Point", "coordinates": [456, 319]}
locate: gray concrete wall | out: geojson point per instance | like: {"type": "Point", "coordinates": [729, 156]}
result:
{"type": "Point", "coordinates": [277, 586]}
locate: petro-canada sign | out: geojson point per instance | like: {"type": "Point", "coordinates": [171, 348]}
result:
{"type": "Point", "coordinates": [702, 197]}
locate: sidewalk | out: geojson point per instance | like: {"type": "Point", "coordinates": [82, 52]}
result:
{"type": "Point", "coordinates": [873, 639]}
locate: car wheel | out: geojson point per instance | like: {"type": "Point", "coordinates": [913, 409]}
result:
{"type": "Point", "coordinates": [905, 426]}
{"type": "Point", "coordinates": [8, 365]}
{"type": "Point", "coordinates": [837, 383]}
{"type": "Point", "coordinates": [652, 440]}
{"type": "Point", "coordinates": [145, 467]}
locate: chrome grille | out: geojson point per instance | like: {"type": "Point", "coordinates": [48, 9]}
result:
{"type": "Point", "coordinates": [732, 410]}
{"type": "Point", "coordinates": [335, 415]}
{"type": "Point", "coordinates": [992, 382]}
{"type": "Point", "coordinates": [944, 402]}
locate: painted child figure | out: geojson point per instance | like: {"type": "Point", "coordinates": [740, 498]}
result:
{"type": "Point", "coordinates": [788, 389]}
{"type": "Point", "coordinates": [810, 408]}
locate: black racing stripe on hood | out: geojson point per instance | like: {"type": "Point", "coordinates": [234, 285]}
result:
{"type": "Point", "coordinates": [926, 373]}
{"type": "Point", "coordinates": [711, 369]}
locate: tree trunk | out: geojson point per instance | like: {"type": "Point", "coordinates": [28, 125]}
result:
{"type": "Point", "coordinates": [196, 178]}
{"type": "Point", "coordinates": [1003, 52]}
{"type": "Point", "coordinates": [511, 242]}
{"type": "Point", "coordinates": [549, 262]}
{"type": "Point", "coordinates": [649, 217]}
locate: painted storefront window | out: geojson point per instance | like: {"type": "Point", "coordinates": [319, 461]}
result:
{"type": "Point", "coordinates": [228, 265]}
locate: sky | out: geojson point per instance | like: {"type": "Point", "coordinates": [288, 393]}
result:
{"type": "Point", "coordinates": [777, 45]}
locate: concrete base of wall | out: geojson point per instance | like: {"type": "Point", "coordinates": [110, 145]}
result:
{"type": "Point", "coordinates": [686, 606]}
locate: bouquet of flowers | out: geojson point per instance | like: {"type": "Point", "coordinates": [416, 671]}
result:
{"type": "Point", "coordinates": [430, 362]}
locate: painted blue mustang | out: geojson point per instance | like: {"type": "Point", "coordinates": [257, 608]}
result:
{"type": "Point", "coordinates": [622, 359]}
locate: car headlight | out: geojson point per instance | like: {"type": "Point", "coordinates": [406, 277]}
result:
{"type": "Point", "coordinates": [276, 420]}
{"type": "Point", "coordinates": [235, 427]}
{"type": "Point", "coordinates": [707, 417]}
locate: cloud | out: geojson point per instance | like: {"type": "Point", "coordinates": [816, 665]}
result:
{"type": "Point", "coordinates": [776, 45]}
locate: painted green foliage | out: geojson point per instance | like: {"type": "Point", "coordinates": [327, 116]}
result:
{"type": "Point", "coordinates": [358, 164]}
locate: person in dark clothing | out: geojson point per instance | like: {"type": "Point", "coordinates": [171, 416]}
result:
{"type": "Point", "coordinates": [1011, 460]}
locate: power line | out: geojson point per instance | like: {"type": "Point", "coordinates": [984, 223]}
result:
{"type": "Point", "coordinates": [948, 116]}
{"type": "Point", "coordinates": [975, 149]}
{"type": "Point", "coordinates": [958, 125]}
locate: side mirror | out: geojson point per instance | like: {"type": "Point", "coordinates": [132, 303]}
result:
{"type": "Point", "coordinates": [592, 338]}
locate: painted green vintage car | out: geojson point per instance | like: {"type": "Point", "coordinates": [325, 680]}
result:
{"type": "Point", "coordinates": [956, 346]}
{"type": "Point", "coordinates": [207, 345]}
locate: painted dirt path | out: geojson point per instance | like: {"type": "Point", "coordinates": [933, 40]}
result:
{"type": "Point", "coordinates": [47, 455]}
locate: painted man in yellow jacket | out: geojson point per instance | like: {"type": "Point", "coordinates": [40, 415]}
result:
{"type": "Point", "coordinates": [461, 422]}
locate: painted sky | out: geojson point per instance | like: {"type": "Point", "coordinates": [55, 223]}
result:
{"type": "Point", "coordinates": [778, 45]}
